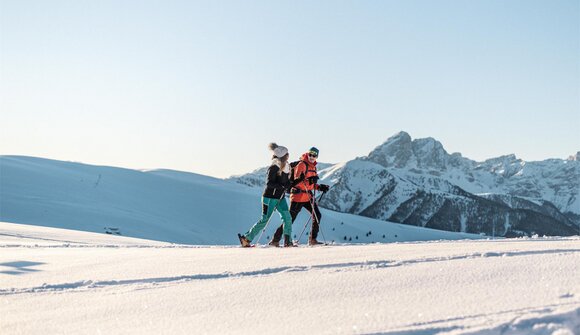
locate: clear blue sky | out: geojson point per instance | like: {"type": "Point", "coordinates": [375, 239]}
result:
{"type": "Point", "coordinates": [204, 86]}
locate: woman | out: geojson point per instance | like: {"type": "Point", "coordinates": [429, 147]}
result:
{"type": "Point", "coordinates": [278, 181]}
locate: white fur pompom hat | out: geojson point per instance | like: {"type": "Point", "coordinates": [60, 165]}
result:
{"type": "Point", "coordinates": [279, 151]}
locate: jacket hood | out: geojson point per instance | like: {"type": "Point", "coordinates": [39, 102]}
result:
{"type": "Point", "coordinates": [276, 161]}
{"type": "Point", "coordinates": [305, 158]}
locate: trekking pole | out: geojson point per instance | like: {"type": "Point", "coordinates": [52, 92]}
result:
{"type": "Point", "coordinates": [305, 225]}
{"type": "Point", "coordinates": [315, 202]}
{"type": "Point", "coordinates": [308, 221]}
{"type": "Point", "coordinates": [310, 218]}
{"type": "Point", "coordinates": [268, 222]}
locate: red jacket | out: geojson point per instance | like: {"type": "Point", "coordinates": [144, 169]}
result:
{"type": "Point", "coordinates": [309, 170]}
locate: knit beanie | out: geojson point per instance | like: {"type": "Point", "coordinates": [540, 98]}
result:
{"type": "Point", "coordinates": [313, 150]}
{"type": "Point", "coordinates": [279, 151]}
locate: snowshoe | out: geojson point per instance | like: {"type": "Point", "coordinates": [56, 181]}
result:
{"type": "Point", "coordinates": [288, 242]}
{"type": "Point", "coordinates": [313, 242]}
{"type": "Point", "coordinates": [244, 241]}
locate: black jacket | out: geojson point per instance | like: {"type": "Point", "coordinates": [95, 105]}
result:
{"type": "Point", "coordinates": [276, 184]}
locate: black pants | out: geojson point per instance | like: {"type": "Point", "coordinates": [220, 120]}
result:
{"type": "Point", "coordinates": [295, 208]}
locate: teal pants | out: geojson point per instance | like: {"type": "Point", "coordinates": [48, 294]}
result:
{"type": "Point", "coordinates": [268, 206]}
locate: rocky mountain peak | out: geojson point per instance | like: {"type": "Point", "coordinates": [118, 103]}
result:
{"type": "Point", "coordinates": [505, 159]}
{"type": "Point", "coordinates": [575, 157]}
{"type": "Point", "coordinates": [397, 151]}
{"type": "Point", "coordinates": [401, 151]}
{"type": "Point", "coordinates": [506, 166]}
{"type": "Point", "coordinates": [430, 153]}
{"type": "Point", "coordinates": [400, 136]}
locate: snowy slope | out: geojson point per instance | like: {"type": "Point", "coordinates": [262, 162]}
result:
{"type": "Point", "coordinates": [55, 281]}
{"type": "Point", "coordinates": [162, 205]}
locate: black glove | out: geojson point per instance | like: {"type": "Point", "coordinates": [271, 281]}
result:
{"type": "Point", "coordinates": [323, 188]}
{"type": "Point", "coordinates": [301, 178]}
{"type": "Point", "coordinates": [313, 179]}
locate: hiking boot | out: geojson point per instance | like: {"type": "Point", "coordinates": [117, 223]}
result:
{"type": "Point", "coordinates": [244, 241]}
{"type": "Point", "coordinates": [274, 243]}
{"type": "Point", "coordinates": [313, 241]}
{"type": "Point", "coordinates": [288, 242]}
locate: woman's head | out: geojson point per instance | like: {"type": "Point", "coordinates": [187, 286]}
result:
{"type": "Point", "coordinates": [279, 151]}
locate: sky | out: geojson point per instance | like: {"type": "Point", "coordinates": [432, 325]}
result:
{"type": "Point", "coordinates": [204, 86]}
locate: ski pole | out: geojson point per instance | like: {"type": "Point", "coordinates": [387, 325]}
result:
{"type": "Point", "coordinates": [308, 221]}
{"type": "Point", "coordinates": [310, 218]}
{"type": "Point", "coordinates": [305, 225]}
{"type": "Point", "coordinates": [314, 202]}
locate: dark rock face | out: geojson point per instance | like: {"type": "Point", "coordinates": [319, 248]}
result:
{"type": "Point", "coordinates": [473, 214]}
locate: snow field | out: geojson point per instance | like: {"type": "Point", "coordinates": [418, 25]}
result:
{"type": "Point", "coordinates": [73, 282]}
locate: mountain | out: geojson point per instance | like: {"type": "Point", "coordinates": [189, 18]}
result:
{"type": "Point", "coordinates": [417, 182]}
{"type": "Point", "coordinates": [164, 205]}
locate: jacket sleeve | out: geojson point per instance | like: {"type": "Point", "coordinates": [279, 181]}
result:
{"type": "Point", "coordinates": [295, 182]}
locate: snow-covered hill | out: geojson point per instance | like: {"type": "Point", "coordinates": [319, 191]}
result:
{"type": "Point", "coordinates": [417, 182]}
{"type": "Point", "coordinates": [162, 205]}
{"type": "Point", "coordinates": [56, 281]}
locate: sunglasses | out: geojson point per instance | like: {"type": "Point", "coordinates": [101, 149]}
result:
{"type": "Point", "coordinates": [312, 155]}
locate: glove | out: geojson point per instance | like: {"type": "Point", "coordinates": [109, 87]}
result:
{"type": "Point", "coordinates": [313, 179]}
{"type": "Point", "coordinates": [323, 188]}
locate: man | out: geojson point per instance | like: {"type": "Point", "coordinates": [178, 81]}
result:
{"type": "Point", "coordinates": [301, 195]}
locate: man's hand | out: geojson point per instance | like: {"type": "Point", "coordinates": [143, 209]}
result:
{"type": "Point", "coordinates": [313, 179]}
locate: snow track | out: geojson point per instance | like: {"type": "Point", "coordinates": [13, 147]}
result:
{"type": "Point", "coordinates": [339, 267]}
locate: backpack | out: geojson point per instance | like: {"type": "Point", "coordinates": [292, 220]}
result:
{"type": "Point", "coordinates": [292, 166]}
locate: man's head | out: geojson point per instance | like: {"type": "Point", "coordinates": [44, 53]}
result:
{"type": "Point", "coordinates": [313, 154]}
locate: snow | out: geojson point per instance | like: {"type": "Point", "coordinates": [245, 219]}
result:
{"type": "Point", "coordinates": [71, 282]}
